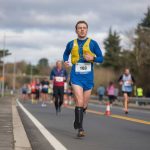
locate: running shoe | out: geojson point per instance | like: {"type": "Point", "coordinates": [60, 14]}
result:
{"type": "Point", "coordinates": [43, 105]}
{"type": "Point", "coordinates": [126, 112]}
{"type": "Point", "coordinates": [81, 133]}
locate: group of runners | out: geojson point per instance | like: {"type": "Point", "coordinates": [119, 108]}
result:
{"type": "Point", "coordinates": [37, 90]}
{"type": "Point", "coordinates": [52, 88]}
{"type": "Point", "coordinates": [84, 53]}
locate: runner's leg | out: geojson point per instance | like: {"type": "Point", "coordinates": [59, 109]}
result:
{"type": "Point", "coordinates": [78, 93]}
{"type": "Point", "coordinates": [125, 102]}
{"type": "Point", "coordinates": [86, 97]}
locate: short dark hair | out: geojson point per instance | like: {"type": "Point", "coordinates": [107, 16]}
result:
{"type": "Point", "coordinates": [81, 21]}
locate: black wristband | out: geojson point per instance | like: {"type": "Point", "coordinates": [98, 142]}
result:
{"type": "Point", "coordinates": [94, 58]}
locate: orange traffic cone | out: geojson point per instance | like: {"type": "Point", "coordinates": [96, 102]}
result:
{"type": "Point", "coordinates": [108, 109]}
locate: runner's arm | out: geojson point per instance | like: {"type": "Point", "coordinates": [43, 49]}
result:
{"type": "Point", "coordinates": [66, 75]}
{"type": "Point", "coordinates": [67, 52]}
{"type": "Point", "coordinates": [133, 80]}
{"type": "Point", "coordinates": [52, 75]}
{"type": "Point", "coordinates": [99, 57]}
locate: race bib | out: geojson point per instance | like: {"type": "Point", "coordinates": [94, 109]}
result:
{"type": "Point", "coordinates": [45, 86]}
{"type": "Point", "coordinates": [33, 87]}
{"type": "Point", "coordinates": [127, 83]}
{"type": "Point", "coordinates": [59, 79]}
{"type": "Point", "coordinates": [83, 67]}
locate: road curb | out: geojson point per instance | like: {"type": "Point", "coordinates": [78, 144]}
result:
{"type": "Point", "coordinates": [21, 141]}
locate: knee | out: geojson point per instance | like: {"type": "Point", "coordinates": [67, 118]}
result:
{"type": "Point", "coordinates": [80, 103]}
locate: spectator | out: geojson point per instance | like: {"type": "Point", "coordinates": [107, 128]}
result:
{"type": "Point", "coordinates": [116, 92]}
{"type": "Point", "coordinates": [139, 91]}
{"type": "Point", "coordinates": [101, 92]}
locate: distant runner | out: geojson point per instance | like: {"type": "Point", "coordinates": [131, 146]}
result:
{"type": "Point", "coordinates": [58, 76]}
{"type": "Point", "coordinates": [126, 81]}
{"type": "Point", "coordinates": [45, 86]}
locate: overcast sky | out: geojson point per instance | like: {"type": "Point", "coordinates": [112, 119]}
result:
{"type": "Point", "coordinates": [35, 29]}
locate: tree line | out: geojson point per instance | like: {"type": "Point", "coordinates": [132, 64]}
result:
{"type": "Point", "coordinates": [136, 58]}
{"type": "Point", "coordinates": [116, 58]}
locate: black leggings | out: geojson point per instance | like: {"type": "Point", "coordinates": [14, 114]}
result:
{"type": "Point", "coordinates": [59, 96]}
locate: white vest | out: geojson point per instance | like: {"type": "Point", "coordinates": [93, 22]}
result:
{"type": "Point", "coordinates": [126, 86]}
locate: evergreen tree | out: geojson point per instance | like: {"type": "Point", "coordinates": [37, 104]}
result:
{"type": "Point", "coordinates": [112, 50]}
{"type": "Point", "coordinates": [43, 66]}
{"type": "Point", "coordinates": [146, 21]}
{"type": "Point", "coordinates": [142, 41]}
{"type": "Point", "coordinates": [142, 51]}
{"type": "Point", "coordinates": [43, 62]}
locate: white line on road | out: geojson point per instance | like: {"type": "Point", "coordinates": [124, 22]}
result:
{"type": "Point", "coordinates": [51, 139]}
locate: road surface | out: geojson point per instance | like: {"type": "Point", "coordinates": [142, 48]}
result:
{"type": "Point", "coordinates": [46, 131]}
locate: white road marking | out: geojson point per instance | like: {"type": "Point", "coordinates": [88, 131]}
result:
{"type": "Point", "coordinates": [51, 139]}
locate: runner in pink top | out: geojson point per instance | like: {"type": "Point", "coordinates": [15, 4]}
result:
{"type": "Point", "coordinates": [111, 92]}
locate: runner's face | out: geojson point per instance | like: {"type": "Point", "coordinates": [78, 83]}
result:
{"type": "Point", "coordinates": [127, 71]}
{"type": "Point", "coordinates": [81, 30]}
{"type": "Point", "coordinates": [59, 65]}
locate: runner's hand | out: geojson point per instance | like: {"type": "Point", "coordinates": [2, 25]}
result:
{"type": "Point", "coordinates": [88, 57]}
{"type": "Point", "coordinates": [66, 63]}
{"type": "Point", "coordinates": [120, 82]}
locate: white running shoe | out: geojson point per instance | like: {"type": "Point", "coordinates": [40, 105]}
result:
{"type": "Point", "coordinates": [43, 105]}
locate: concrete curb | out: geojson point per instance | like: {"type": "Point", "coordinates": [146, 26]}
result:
{"type": "Point", "coordinates": [21, 141]}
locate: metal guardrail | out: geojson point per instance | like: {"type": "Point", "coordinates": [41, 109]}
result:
{"type": "Point", "coordinates": [132, 99]}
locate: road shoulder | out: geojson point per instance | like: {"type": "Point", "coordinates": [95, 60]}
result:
{"type": "Point", "coordinates": [20, 136]}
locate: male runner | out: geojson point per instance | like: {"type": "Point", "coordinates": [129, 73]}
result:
{"type": "Point", "coordinates": [126, 81]}
{"type": "Point", "coordinates": [84, 52]}
{"type": "Point", "coordinates": [58, 76]}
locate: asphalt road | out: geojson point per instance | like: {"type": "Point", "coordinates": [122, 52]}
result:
{"type": "Point", "coordinates": [115, 132]}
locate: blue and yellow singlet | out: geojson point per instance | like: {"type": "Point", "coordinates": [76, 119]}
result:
{"type": "Point", "coordinates": [82, 71]}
